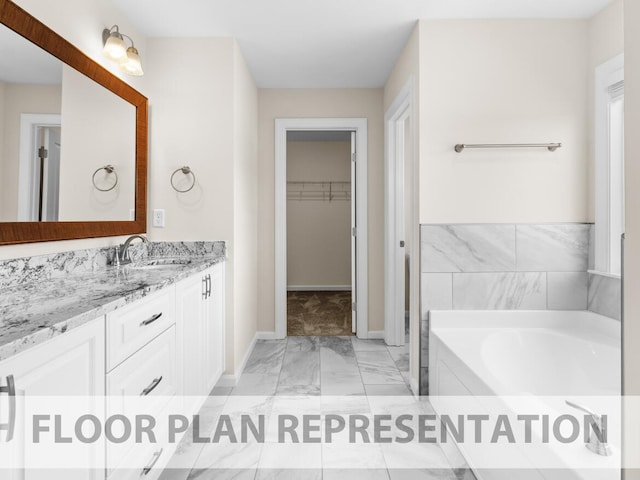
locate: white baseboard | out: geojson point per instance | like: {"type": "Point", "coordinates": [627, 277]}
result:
{"type": "Point", "coordinates": [376, 335]}
{"type": "Point", "coordinates": [227, 380]}
{"type": "Point", "coordinates": [415, 388]}
{"type": "Point", "coordinates": [231, 379]}
{"type": "Point", "coordinates": [267, 336]}
{"type": "Point", "coordinates": [318, 288]}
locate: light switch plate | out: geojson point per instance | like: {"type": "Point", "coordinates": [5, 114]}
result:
{"type": "Point", "coordinates": [158, 218]}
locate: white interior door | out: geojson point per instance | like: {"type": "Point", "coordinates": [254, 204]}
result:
{"type": "Point", "coordinates": [33, 128]}
{"type": "Point", "coordinates": [354, 257]}
{"type": "Point", "coordinates": [399, 216]}
{"type": "Point", "coordinates": [51, 174]}
{"type": "Point", "coordinates": [399, 234]}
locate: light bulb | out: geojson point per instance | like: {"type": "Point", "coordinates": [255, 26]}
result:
{"type": "Point", "coordinates": [114, 47]}
{"type": "Point", "coordinates": [131, 64]}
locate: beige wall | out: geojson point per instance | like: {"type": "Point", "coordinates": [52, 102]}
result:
{"type": "Point", "coordinates": [191, 119]}
{"type": "Point", "coordinates": [514, 81]}
{"type": "Point", "coordinates": [245, 95]}
{"type": "Point", "coordinates": [98, 129]}
{"type": "Point", "coordinates": [606, 40]}
{"type": "Point", "coordinates": [81, 22]}
{"type": "Point", "coordinates": [203, 108]}
{"type": "Point", "coordinates": [88, 20]}
{"type": "Point", "coordinates": [195, 87]}
{"type": "Point", "coordinates": [351, 103]}
{"type": "Point", "coordinates": [407, 69]}
{"type": "Point", "coordinates": [18, 99]}
{"type": "Point", "coordinates": [319, 231]}
{"type": "Point", "coordinates": [631, 340]}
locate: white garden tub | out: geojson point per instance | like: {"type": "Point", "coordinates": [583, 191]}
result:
{"type": "Point", "coordinates": [497, 360]}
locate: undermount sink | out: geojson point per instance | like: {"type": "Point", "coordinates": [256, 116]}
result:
{"type": "Point", "coordinates": [160, 264]}
{"type": "Point", "coordinates": [157, 267]}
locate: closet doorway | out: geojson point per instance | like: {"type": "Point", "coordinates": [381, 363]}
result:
{"type": "Point", "coordinates": [319, 233]}
{"type": "Point", "coordinates": [321, 265]}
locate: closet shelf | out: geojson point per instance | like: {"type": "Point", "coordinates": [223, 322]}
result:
{"type": "Point", "coordinates": [319, 191]}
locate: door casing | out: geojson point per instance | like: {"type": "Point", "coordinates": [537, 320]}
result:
{"type": "Point", "coordinates": [282, 126]}
{"type": "Point", "coordinates": [395, 230]}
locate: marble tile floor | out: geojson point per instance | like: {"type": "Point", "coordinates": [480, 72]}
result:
{"type": "Point", "coordinates": [303, 369]}
{"type": "Point", "coordinates": [319, 313]}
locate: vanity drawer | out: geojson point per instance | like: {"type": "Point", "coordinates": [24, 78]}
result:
{"type": "Point", "coordinates": [150, 464]}
{"type": "Point", "coordinates": [135, 325]}
{"type": "Point", "coordinates": [150, 372]}
{"type": "Point", "coordinates": [145, 384]}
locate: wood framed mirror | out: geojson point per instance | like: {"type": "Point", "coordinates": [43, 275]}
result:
{"type": "Point", "coordinates": [70, 202]}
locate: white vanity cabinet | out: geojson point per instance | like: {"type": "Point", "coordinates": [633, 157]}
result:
{"type": "Point", "coordinates": [200, 320]}
{"type": "Point", "coordinates": [142, 374]}
{"type": "Point", "coordinates": [166, 350]}
{"type": "Point", "coordinates": [71, 364]}
{"type": "Point", "coordinates": [214, 331]}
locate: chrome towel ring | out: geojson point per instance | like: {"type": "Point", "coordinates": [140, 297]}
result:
{"type": "Point", "coordinates": [110, 169]}
{"type": "Point", "coordinates": [186, 171]}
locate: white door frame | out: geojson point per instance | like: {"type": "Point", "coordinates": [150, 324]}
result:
{"type": "Point", "coordinates": [394, 227]}
{"type": "Point", "coordinates": [28, 187]}
{"type": "Point", "coordinates": [282, 126]}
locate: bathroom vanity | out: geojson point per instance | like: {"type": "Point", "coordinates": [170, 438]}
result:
{"type": "Point", "coordinates": [152, 329]}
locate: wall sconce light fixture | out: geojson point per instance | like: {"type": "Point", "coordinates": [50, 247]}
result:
{"type": "Point", "coordinates": [115, 48]}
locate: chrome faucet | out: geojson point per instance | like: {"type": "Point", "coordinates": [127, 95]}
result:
{"type": "Point", "coordinates": [597, 440]}
{"type": "Point", "coordinates": [123, 254]}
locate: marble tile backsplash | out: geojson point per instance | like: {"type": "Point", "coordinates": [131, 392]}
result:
{"type": "Point", "coordinates": [19, 271]}
{"type": "Point", "coordinates": [505, 266]}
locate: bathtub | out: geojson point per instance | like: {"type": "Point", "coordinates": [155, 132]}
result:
{"type": "Point", "coordinates": [501, 361]}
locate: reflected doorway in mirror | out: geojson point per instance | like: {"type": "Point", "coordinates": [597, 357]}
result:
{"type": "Point", "coordinates": [39, 171]}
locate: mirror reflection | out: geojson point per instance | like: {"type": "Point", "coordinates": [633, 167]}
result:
{"type": "Point", "coordinates": [58, 128]}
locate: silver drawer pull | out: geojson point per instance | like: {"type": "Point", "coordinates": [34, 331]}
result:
{"type": "Point", "coordinates": [151, 387]}
{"type": "Point", "coordinates": [154, 460]}
{"type": "Point", "coordinates": [151, 319]}
{"type": "Point", "coordinates": [11, 390]}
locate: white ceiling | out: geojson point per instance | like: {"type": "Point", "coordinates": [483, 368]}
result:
{"type": "Point", "coordinates": [326, 43]}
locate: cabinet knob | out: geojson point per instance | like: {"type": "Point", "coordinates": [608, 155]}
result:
{"type": "Point", "coordinates": [10, 389]}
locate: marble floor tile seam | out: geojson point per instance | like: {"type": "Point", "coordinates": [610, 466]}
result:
{"type": "Point", "coordinates": [371, 349]}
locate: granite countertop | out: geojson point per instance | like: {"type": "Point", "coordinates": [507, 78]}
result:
{"type": "Point", "coordinates": [58, 298]}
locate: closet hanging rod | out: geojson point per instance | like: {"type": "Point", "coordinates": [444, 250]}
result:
{"type": "Point", "coordinates": [552, 147]}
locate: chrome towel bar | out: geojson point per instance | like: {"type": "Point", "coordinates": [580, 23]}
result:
{"type": "Point", "coordinates": [552, 147]}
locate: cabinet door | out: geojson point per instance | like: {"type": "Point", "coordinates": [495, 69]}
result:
{"type": "Point", "coordinates": [72, 364]}
{"type": "Point", "coordinates": [190, 311]}
{"type": "Point", "coordinates": [214, 328]}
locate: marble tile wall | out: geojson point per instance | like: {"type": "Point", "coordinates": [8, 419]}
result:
{"type": "Point", "coordinates": [502, 266]}
{"type": "Point", "coordinates": [605, 295]}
